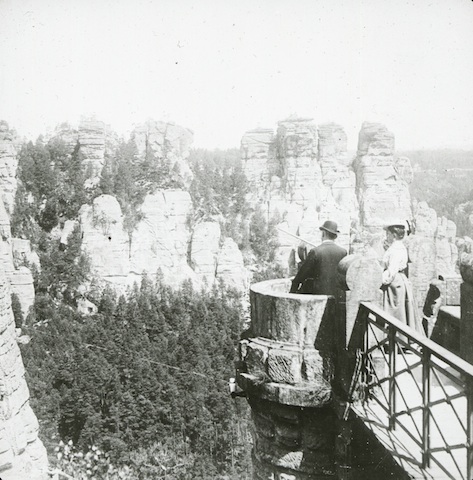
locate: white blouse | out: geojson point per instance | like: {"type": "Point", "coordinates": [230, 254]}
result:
{"type": "Point", "coordinates": [394, 260]}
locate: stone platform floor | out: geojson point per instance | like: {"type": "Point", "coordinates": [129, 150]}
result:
{"type": "Point", "coordinates": [447, 424]}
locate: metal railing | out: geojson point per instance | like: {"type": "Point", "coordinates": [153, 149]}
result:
{"type": "Point", "coordinates": [414, 392]}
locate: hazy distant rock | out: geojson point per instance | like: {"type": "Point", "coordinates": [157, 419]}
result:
{"type": "Point", "coordinates": [403, 167]}
{"type": "Point", "coordinates": [383, 193]}
{"type": "Point", "coordinates": [94, 139]}
{"type": "Point", "coordinates": [205, 245]}
{"type": "Point", "coordinates": [230, 266]}
{"type": "Point", "coordinates": [10, 145]}
{"type": "Point", "coordinates": [301, 175]}
{"type": "Point", "coordinates": [432, 250]}
{"type": "Point", "coordinates": [257, 152]}
{"type": "Point", "coordinates": [297, 143]}
{"type": "Point", "coordinates": [425, 220]}
{"type": "Point", "coordinates": [332, 152]}
{"type": "Point", "coordinates": [168, 142]}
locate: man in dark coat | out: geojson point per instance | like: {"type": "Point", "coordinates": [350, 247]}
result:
{"type": "Point", "coordinates": [318, 274]}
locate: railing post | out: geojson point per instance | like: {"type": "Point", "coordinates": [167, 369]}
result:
{"type": "Point", "coordinates": [392, 373]}
{"type": "Point", "coordinates": [469, 427]}
{"type": "Point", "coordinates": [366, 366]}
{"type": "Point", "coordinates": [425, 408]}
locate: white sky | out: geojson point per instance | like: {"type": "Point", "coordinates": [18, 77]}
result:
{"type": "Point", "coordinates": [223, 67]}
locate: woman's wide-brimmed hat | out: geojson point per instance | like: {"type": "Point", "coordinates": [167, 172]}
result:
{"type": "Point", "coordinates": [400, 225]}
{"type": "Point", "coordinates": [406, 225]}
{"type": "Point", "coordinates": [330, 227]}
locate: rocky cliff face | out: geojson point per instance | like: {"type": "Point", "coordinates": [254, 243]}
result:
{"type": "Point", "coordinates": [301, 173]}
{"type": "Point", "coordinates": [432, 250]}
{"type": "Point", "coordinates": [94, 139]}
{"type": "Point", "coordinates": [15, 255]}
{"type": "Point", "coordinates": [22, 455]}
{"type": "Point", "coordinates": [304, 174]}
{"type": "Point", "coordinates": [383, 191]}
{"type": "Point", "coordinates": [161, 242]}
{"type": "Point", "coordinates": [167, 142]}
{"type": "Point", "coordinates": [9, 148]}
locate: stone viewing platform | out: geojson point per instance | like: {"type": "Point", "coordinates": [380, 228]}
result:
{"type": "Point", "coordinates": [332, 388]}
{"type": "Point", "coordinates": [285, 373]}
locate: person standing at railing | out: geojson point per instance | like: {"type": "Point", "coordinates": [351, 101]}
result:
{"type": "Point", "coordinates": [318, 273]}
{"type": "Point", "coordinates": [398, 297]}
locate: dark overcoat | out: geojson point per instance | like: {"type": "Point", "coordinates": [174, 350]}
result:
{"type": "Point", "coordinates": [318, 274]}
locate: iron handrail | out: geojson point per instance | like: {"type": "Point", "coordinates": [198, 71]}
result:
{"type": "Point", "coordinates": [445, 355]}
{"type": "Point", "coordinates": [428, 351]}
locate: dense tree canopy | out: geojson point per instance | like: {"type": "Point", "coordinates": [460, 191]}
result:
{"type": "Point", "coordinates": [145, 379]}
{"type": "Point", "coordinates": [444, 179]}
{"type": "Point", "coordinates": [150, 368]}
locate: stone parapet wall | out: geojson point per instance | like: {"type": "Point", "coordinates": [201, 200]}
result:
{"type": "Point", "coordinates": [285, 373]}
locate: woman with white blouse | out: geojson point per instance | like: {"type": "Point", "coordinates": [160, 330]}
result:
{"type": "Point", "coordinates": [398, 298]}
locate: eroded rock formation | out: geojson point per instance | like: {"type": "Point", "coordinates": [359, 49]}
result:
{"type": "Point", "coordinates": [22, 455]}
{"type": "Point", "coordinates": [432, 250]}
{"type": "Point", "coordinates": [382, 189]}
{"type": "Point", "coordinates": [15, 263]}
{"type": "Point", "coordinates": [161, 242]}
{"type": "Point", "coordinates": [9, 148]}
{"type": "Point", "coordinates": [168, 143]}
{"type": "Point", "coordinates": [302, 175]}
{"type": "Point", "coordinates": [94, 140]}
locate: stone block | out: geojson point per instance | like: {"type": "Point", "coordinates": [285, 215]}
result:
{"type": "Point", "coordinates": [318, 394]}
{"type": "Point", "coordinates": [284, 365]}
{"type": "Point", "coordinates": [280, 316]}
{"type": "Point", "coordinates": [287, 476]}
{"type": "Point", "coordinates": [312, 365]}
{"type": "Point", "coordinates": [288, 434]}
{"type": "Point", "coordinates": [256, 358]}
{"type": "Point", "coordinates": [452, 289]}
{"type": "Point", "coordinates": [280, 413]}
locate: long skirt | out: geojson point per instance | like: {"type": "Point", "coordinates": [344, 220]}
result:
{"type": "Point", "coordinates": [398, 300]}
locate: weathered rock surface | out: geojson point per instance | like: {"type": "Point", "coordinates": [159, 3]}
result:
{"type": "Point", "coordinates": [160, 242]}
{"type": "Point", "coordinates": [383, 192]}
{"type": "Point", "coordinates": [432, 250]}
{"type": "Point", "coordinates": [230, 266]}
{"type": "Point", "coordinates": [168, 142]}
{"type": "Point", "coordinates": [23, 254]}
{"type": "Point", "coordinates": [257, 152]}
{"type": "Point", "coordinates": [204, 248]}
{"type": "Point", "coordinates": [18, 275]}
{"type": "Point", "coordinates": [302, 175]}
{"type": "Point", "coordinates": [9, 148]}
{"type": "Point", "coordinates": [22, 455]}
{"type": "Point", "coordinates": [104, 239]}
{"type": "Point", "coordinates": [286, 383]}
{"type": "Point", "coordinates": [161, 239]}
{"type": "Point", "coordinates": [94, 139]}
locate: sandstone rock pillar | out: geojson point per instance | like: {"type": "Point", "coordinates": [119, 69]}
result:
{"type": "Point", "coordinates": [285, 372]}
{"type": "Point", "coordinates": [22, 454]}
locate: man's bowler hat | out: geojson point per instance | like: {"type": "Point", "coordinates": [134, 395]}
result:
{"type": "Point", "coordinates": [330, 227]}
